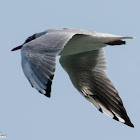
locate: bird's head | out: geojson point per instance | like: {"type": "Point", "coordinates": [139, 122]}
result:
{"type": "Point", "coordinates": [30, 38]}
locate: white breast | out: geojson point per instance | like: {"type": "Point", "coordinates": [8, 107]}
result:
{"type": "Point", "coordinates": [81, 43]}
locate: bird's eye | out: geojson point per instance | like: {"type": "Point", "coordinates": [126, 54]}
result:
{"type": "Point", "coordinates": [30, 38]}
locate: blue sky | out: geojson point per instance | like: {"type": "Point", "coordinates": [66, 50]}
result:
{"type": "Point", "coordinates": [26, 114]}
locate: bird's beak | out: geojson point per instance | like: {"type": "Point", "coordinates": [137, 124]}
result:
{"type": "Point", "coordinates": [17, 48]}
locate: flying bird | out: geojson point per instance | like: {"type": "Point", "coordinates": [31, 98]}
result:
{"type": "Point", "coordinates": [82, 57]}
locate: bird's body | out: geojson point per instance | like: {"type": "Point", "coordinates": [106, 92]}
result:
{"type": "Point", "coordinates": [82, 57]}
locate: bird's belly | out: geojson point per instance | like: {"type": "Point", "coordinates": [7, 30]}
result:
{"type": "Point", "coordinates": [79, 44]}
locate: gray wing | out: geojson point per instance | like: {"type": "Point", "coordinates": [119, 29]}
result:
{"type": "Point", "coordinates": [39, 59]}
{"type": "Point", "coordinates": [87, 73]}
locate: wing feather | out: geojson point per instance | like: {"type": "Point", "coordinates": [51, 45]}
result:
{"type": "Point", "coordinates": [39, 59]}
{"type": "Point", "coordinates": [87, 73]}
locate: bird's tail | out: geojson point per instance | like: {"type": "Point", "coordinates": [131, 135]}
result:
{"type": "Point", "coordinates": [110, 39]}
{"type": "Point", "coordinates": [117, 40]}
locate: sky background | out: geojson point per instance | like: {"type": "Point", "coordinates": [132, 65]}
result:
{"type": "Point", "coordinates": [27, 115]}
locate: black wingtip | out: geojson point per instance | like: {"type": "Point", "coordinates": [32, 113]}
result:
{"type": "Point", "coordinates": [129, 124]}
{"type": "Point", "coordinates": [48, 90]}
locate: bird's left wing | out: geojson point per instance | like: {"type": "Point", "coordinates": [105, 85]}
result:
{"type": "Point", "coordinates": [86, 71]}
{"type": "Point", "coordinates": [39, 59]}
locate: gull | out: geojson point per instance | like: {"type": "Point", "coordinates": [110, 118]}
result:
{"type": "Point", "coordinates": [82, 57]}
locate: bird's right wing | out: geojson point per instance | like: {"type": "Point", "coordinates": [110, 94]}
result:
{"type": "Point", "coordinates": [39, 59]}
{"type": "Point", "coordinates": [87, 73]}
